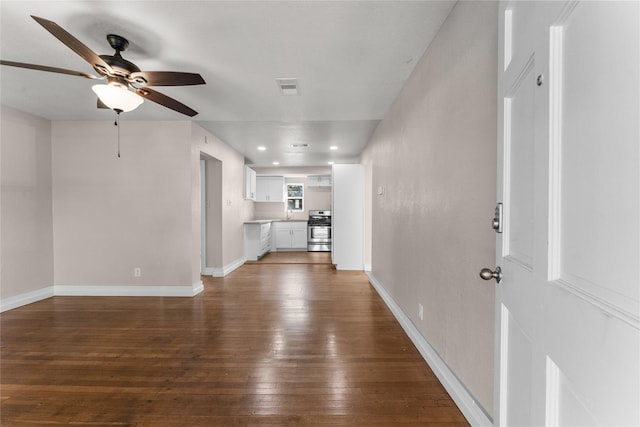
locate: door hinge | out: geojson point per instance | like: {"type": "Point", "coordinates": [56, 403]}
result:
{"type": "Point", "coordinates": [496, 222]}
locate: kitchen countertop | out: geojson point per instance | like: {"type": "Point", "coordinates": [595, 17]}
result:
{"type": "Point", "coordinates": [264, 221]}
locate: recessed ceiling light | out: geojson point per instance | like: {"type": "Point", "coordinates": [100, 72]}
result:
{"type": "Point", "coordinates": [330, 163]}
{"type": "Point", "coordinates": [333, 147]}
{"type": "Point", "coordinates": [262, 148]}
{"type": "Point", "coordinates": [276, 163]}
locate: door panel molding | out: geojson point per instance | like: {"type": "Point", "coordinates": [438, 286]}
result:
{"type": "Point", "coordinates": [574, 168]}
{"type": "Point", "coordinates": [518, 188]}
{"type": "Point", "coordinates": [617, 310]}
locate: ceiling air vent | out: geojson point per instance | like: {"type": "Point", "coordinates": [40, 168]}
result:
{"type": "Point", "coordinates": [288, 86]}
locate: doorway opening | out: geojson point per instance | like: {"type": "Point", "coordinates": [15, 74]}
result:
{"type": "Point", "coordinates": [210, 214]}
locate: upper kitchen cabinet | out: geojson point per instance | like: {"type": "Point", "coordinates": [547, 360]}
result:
{"type": "Point", "coordinates": [249, 183]}
{"type": "Point", "coordinates": [319, 181]}
{"type": "Point", "coordinates": [270, 189]}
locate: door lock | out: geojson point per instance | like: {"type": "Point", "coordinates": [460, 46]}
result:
{"type": "Point", "coordinates": [487, 274]}
{"type": "Point", "coordinates": [496, 222]}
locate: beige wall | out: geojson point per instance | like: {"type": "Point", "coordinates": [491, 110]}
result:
{"type": "Point", "coordinates": [143, 209]}
{"type": "Point", "coordinates": [435, 156]}
{"type": "Point", "coordinates": [26, 221]}
{"type": "Point", "coordinates": [235, 210]}
{"type": "Point", "coordinates": [65, 192]}
{"type": "Point", "coordinates": [214, 207]}
{"type": "Point", "coordinates": [114, 214]}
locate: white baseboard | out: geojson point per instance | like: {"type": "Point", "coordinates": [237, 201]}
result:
{"type": "Point", "coordinates": [367, 267]}
{"type": "Point", "coordinates": [197, 288]}
{"type": "Point", "coordinates": [222, 272]}
{"type": "Point", "coordinates": [129, 290]}
{"type": "Point", "coordinates": [101, 291]}
{"type": "Point", "coordinates": [209, 271]}
{"type": "Point", "coordinates": [470, 408]}
{"type": "Point", "coordinates": [26, 298]}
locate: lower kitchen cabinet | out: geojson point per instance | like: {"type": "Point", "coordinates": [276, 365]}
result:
{"type": "Point", "coordinates": [290, 234]}
{"type": "Point", "coordinates": [257, 239]}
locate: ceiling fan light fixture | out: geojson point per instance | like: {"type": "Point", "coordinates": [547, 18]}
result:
{"type": "Point", "coordinates": [118, 97]}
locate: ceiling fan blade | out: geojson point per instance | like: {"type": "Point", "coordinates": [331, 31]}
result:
{"type": "Point", "coordinates": [165, 101]}
{"type": "Point", "coordinates": [167, 78]}
{"type": "Point", "coordinates": [47, 68]}
{"type": "Point", "coordinates": [74, 44]}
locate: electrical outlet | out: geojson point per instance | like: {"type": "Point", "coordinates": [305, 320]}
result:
{"type": "Point", "coordinates": [420, 311]}
{"type": "Point", "coordinates": [137, 272]}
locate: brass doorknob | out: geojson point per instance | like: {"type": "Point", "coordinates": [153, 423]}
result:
{"type": "Point", "coordinates": [487, 274]}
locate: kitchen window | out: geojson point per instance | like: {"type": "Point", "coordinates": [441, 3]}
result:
{"type": "Point", "coordinates": [295, 197]}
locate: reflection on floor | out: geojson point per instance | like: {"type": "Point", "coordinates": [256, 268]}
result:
{"type": "Point", "coordinates": [296, 257]}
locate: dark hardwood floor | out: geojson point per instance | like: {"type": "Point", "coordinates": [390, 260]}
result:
{"type": "Point", "coordinates": [294, 257]}
{"type": "Point", "coordinates": [270, 345]}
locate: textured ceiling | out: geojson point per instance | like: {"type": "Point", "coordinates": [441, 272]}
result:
{"type": "Point", "coordinates": [351, 59]}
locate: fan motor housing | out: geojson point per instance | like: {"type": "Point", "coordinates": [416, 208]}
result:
{"type": "Point", "coordinates": [120, 66]}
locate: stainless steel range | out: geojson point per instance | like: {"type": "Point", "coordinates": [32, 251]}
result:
{"type": "Point", "coordinates": [319, 231]}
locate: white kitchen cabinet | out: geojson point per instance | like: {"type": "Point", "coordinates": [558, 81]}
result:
{"type": "Point", "coordinates": [249, 183]}
{"type": "Point", "coordinates": [290, 234]}
{"type": "Point", "coordinates": [319, 181]}
{"type": "Point", "coordinates": [299, 235]}
{"type": "Point", "coordinates": [257, 239]}
{"type": "Point", "coordinates": [347, 220]}
{"type": "Point", "coordinates": [270, 189]}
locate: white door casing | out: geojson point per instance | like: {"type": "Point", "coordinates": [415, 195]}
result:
{"type": "Point", "coordinates": [567, 323]}
{"type": "Point", "coordinates": [203, 215]}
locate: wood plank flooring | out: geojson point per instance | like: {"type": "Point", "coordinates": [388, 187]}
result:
{"type": "Point", "coordinates": [269, 345]}
{"type": "Point", "coordinates": [294, 257]}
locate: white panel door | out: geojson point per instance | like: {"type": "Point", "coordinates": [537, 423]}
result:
{"type": "Point", "coordinates": [567, 323]}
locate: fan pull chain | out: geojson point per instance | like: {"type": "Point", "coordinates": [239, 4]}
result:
{"type": "Point", "coordinates": [117, 124]}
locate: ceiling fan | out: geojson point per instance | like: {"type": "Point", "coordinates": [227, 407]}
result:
{"type": "Point", "coordinates": [127, 85]}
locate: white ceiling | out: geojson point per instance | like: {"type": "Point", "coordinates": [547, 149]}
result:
{"type": "Point", "coordinates": [351, 59]}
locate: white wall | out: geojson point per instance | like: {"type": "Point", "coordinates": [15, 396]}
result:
{"type": "Point", "coordinates": [368, 194]}
{"type": "Point", "coordinates": [347, 221]}
{"type": "Point", "coordinates": [435, 156]}
{"type": "Point", "coordinates": [26, 221]}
